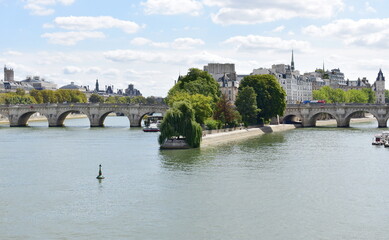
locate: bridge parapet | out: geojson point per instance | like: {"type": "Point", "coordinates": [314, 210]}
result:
{"type": "Point", "coordinates": [308, 113]}
{"type": "Point", "coordinates": [56, 113]}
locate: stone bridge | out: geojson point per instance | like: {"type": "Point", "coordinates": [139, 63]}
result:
{"type": "Point", "coordinates": [18, 115]}
{"type": "Point", "coordinates": [307, 114]}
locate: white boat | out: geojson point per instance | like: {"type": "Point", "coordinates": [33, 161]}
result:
{"type": "Point", "coordinates": [377, 140]}
{"type": "Point", "coordinates": [153, 127]}
{"type": "Point", "coordinates": [381, 139]}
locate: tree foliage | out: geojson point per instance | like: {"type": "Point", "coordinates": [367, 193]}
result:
{"type": "Point", "coordinates": [201, 104]}
{"type": "Point", "coordinates": [179, 121]}
{"type": "Point", "coordinates": [196, 81]}
{"type": "Point", "coordinates": [96, 98]}
{"type": "Point", "coordinates": [246, 104]}
{"type": "Point", "coordinates": [58, 96]}
{"type": "Point", "coordinates": [270, 94]}
{"type": "Point", "coordinates": [226, 112]}
{"type": "Point", "coordinates": [331, 95]}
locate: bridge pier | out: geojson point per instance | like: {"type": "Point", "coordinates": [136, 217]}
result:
{"type": "Point", "coordinates": [382, 123]}
{"type": "Point", "coordinates": [343, 123]}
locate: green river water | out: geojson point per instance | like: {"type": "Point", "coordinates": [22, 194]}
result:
{"type": "Point", "coordinates": [314, 183]}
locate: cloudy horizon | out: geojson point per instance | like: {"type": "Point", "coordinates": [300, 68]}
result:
{"type": "Point", "coordinates": [148, 43]}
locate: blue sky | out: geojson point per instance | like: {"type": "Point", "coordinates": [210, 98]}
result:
{"type": "Point", "coordinates": [149, 42]}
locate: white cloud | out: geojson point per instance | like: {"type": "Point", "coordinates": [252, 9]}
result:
{"type": "Point", "coordinates": [93, 70]}
{"type": "Point", "coordinates": [42, 7]}
{"type": "Point", "coordinates": [123, 55]}
{"type": "Point", "coordinates": [70, 38]}
{"type": "Point", "coordinates": [172, 7]}
{"type": "Point", "coordinates": [85, 23]}
{"type": "Point", "coordinates": [369, 8]}
{"type": "Point", "coordinates": [363, 32]}
{"type": "Point", "coordinates": [179, 43]}
{"type": "Point", "coordinates": [255, 42]}
{"type": "Point", "coordinates": [186, 43]}
{"type": "Point", "coordinates": [260, 11]}
{"type": "Point", "coordinates": [13, 53]}
{"type": "Point", "coordinates": [279, 29]}
{"type": "Point", "coordinates": [71, 70]}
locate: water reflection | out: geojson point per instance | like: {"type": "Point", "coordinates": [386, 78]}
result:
{"type": "Point", "coordinates": [183, 160]}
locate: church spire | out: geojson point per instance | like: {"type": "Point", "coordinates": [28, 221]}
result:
{"type": "Point", "coordinates": [292, 63]}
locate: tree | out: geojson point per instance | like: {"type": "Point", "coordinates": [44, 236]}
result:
{"type": "Point", "coordinates": [96, 98]}
{"type": "Point", "coordinates": [201, 104]}
{"type": "Point", "coordinates": [36, 94]}
{"type": "Point", "coordinates": [225, 112]}
{"type": "Point", "coordinates": [356, 96]}
{"type": "Point", "coordinates": [370, 95]}
{"type": "Point", "coordinates": [330, 95]}
{"type": "Point", "coordinates": [386, 96]}
{"type": "Point", "coordinates": [179, 121]}
{"type": "Point", "coordinates": [270, 94]}
{"type": "Point", "coordinates": [139, 99]}
{"type": "Point", "coordinates": [197, 81]}
{"type": "Point", "coordinates": [246, 104]}
{"type": "Point", "coordinates": [20, 92]}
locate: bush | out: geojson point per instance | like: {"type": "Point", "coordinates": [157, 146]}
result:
{"type": "Point", "coordinates": [212, 124]}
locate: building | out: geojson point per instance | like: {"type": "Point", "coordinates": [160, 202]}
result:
{"type": "Point", "coordinates": [73, 86]}
{"type": "Point", "coordinates": [379, 88]}
{"type": "Point", "coordinates": [131, 91]}
{"type": "Point", "coordinates": [8, 74]}
{"type": "Point", "coordinates": [39, 83]}
{"type": "Point", "coordinates": [298, 88]}
{"type": "Point", "coordinates": [225, 75]}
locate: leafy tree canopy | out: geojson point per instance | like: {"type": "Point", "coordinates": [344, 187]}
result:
{"type": "Point", "coordinates": [270, 94]}
{"type": "Point", "coordinates": [226, 112]}
{"type": "Point", "coordinates": [246, 104]}
{"type": "Point", "coordinates": [197, 81]}
{"type": "Point", "coordinates": [201, 104]}
{"type": "Point", "coordinates": [179, 121]}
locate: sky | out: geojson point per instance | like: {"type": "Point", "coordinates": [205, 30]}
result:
{"type": "Point", "coordinates": [148, 43]}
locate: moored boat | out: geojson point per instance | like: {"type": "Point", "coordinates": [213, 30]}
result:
{"type": "Point", "coordinates": [153, 127]}
{"type": "Point", "coordinates": [377, 140]}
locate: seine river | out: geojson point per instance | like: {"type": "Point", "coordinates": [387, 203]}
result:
{"type": "Point", "coordinates": [317, 183]}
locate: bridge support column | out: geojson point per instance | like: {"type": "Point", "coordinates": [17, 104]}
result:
{"type": "Point", "coordinates": [306, 123]}
{"type": "Point", "coordinates": [95, 120]}
{"type": "Point", "coordinates": [382, 123]}
{"type": "Point", "coordinates": [343, 123]}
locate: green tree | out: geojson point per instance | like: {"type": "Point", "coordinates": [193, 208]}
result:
{"type": "Point", "coordinates": [370, 95]}
{"type": "Point", "coordinates": [36, 94]}
{"type": "Point", "coordinates": [151, 100]}
{"type": "Point", "coordinates": [270, 94]}
{"type": "Point", "coordinates": [20, 92]}
{"type": "Point", "coordinates": [330, 95]}
{"type": "Point", "coordinates": [197, 81]}
{"type": "Point", "coordinates": [226, 113]}
{"type": "Point", "coordinates": [356, 96]}
{"type": "Point", "coordinates": [246, 104]}
{"type": "Point", "coordinates": [386, 96]}
{"type": "Point", "coordinates": [139, 99]}
{"type": "Point", "coordinates": [96, 98]}
{"type": "Point", "coordinates": [179, 121]}
{"type": "Point", "coordinates": [200, 104]}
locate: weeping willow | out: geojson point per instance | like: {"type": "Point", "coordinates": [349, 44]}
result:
{"type": "Point", "coordinates": [180, 121]}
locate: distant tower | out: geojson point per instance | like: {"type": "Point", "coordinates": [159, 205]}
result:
{"type": "Point", "coordinates": [292, 64]}
{"type": "Point", "coordinates": [379, 88]}
{"type": "Point", "coordinates": [97, 85]}
{"type": "Point", "coordinates": [8, 74]}
{"type": "Point", "coordinates": [323, 67]}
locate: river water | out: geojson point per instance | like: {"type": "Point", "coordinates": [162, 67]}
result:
{"type": "Point", "coordinates": [317, 183]}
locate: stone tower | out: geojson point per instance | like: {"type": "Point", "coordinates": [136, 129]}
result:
{"type": "Point", "coordinates": [379, 88]}
{"type": "Point", "coordinates": [97, 86]}
{"type": "Point", "coordinates": [292, 63]}
{"type": "Point", "coordinates": [8, 74]}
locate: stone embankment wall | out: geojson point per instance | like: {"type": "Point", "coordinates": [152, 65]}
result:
{"type": "Point", "coordinates": [212, 138]}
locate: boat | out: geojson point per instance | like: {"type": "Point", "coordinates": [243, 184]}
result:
{"type": "Point", "coordinates": [153, 127]}
{"type": "Point", "coordinates": [377, 140]}
{"type": "Point", "coordinates": [386, 143]}
{"type": "Point", "coordinates": [381, 139]}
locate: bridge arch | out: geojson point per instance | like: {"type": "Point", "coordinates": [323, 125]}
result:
{"type": "Point", "coordinates": [59, 121]}
{"type": "Point", "coordinates": [292, 119]}
{"type": "Point", "coordinates": [381, 121]}
{"type": "Point", "coordinates": [21, 120]}
{"type": "Point", "coordinates": [104, 115]}
{"type": "Point", "coordinates": [311, 121]}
